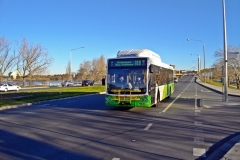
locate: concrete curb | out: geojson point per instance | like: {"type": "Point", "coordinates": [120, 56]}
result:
{"type": "Point", "coordinates": [224, 152]}
{"type": "Point", "coordinates": [15, 106]}
{"type": "Point", "coordinates": [220, 92]}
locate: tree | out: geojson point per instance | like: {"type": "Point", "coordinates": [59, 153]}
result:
{"type": "Point", "coordinates": [94, 70]}
{"type": "Point", "coordinates": [98, 68]}
{"type": "Point", "coordinates": [68, 71]}
{"type": "Point", "coordinates": [233, 65]}
{"type": "Point", "coordinates": [84, 71]}
{"type": "Point", "coordinates": [7, 61]}
{"type": "Point", "coordinates": [32, 60]}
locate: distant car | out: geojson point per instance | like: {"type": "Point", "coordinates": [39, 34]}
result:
{"type": "Point", "coordinates": [176, 80]}
{"type": "Point", "coordinates": [9, 87]}
{"type": "Point", "coordinates": [67, 84]}
{"type": "Point", "coordinates": [87, 83]}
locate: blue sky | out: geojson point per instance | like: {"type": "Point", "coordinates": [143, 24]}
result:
{"type": "Point", "coordinates": [104, 27]}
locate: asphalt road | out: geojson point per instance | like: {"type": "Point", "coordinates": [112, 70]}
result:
{"type": "Point", "coordinates": [84, 128]}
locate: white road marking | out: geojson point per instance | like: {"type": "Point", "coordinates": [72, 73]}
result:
{"type": "Point", "coordinates": [148, 126]}
{"type": "Point", "coordinates": [199, 152]}
{"type": "Point", "coordinates": [205, 91]}
{"type": "Point", "coordinates": [171, 103]}
{"type": "Point", "coordinates": [175, 99]}
{"type": "Point", "coordinates": [116, 159]}
{"type": "Point", "coordinates": [197, 110]}
{"type": "Point", "coordinates": [198, 123]}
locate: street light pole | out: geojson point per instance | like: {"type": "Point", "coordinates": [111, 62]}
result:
{"type": "Point", "coordinates": [71, 59]}
{"type": "Point", "coordinates": [199, 63]}
{"type": "Point", "coordinates": [203, 55]}
{"type": "Point", "coordinates": [225, 54]}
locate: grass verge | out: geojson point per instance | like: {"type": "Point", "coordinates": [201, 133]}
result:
{"type": "Point", "coordinates": [17, 98]}
{"type": "Point", "coordinates": [217, 83]}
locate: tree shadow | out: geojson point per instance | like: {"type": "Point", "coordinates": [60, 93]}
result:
{"type": "Point", "coordinates": [14, 146]}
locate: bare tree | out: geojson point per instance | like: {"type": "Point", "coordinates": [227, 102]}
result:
{"type": "Point", "coordinates": [233, 65]}
{"type": "Point", "coordinates": [7, 61]}
{"type": "Point", "coordinates": [94, 70]}
{"type": "Point", "coordinates": [32, 60]}
{"type": "Point", "coordinates": [84, 71]}
{"type": "Point", "coordinates": [68, 71]}
{"type": "Point", "coordinates": [98, 68]}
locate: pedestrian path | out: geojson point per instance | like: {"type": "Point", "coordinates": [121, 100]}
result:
{"type": "Point", "coordinates": [233, 92]}
{"type": "Point", "coordinates": [232, 147]}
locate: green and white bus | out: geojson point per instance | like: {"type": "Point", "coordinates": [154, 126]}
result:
{"type": "Point", "coordinates": [147, 80]}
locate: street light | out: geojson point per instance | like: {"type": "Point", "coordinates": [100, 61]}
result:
{"type": "Point", "coordinates": [225, 53]}
{"type": "Point", "coordinates": [203, 55]}
{"type": "Point", "coordinates": [199, 63]}
{"type": "Point", "coordinates": [71, 58]}
{"type": "Point", "coordinates": [193, 67]}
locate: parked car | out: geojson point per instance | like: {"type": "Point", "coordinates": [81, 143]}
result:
{"type": "Point", "coordinates": [67, 83]}
{"type": "Point", "coordinates": [87, 83]}
{"type": "Point", "coordinates": [176, 80]}
{"type": "Point", "coordinates": [9, 87]}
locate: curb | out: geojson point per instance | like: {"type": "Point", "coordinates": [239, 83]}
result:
{"type": "Point", "coordinates": [15, 106]}
{"type": "Point", "coordinates": [220, 92]}
{"type": "Point", "coordinates": [223, 152]}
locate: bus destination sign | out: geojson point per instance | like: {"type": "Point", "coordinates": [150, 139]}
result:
{"type": "Point", "coordinates": [140, 62]}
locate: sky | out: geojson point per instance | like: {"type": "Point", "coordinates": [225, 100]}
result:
{"type": "Point", "coordinates": [103, 27]}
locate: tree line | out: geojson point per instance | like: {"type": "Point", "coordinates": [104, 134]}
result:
{"type": "Point", "coordinates": [27, 60]}
{"type": "Point", "coordinates": [31, 63]}
{"type": "Point", "coordinates": [233, 65]}
{"type": "Point", "coordinates": [89, 70]}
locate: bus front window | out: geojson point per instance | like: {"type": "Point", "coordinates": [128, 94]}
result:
{"type": "Point", "coordinates": [133, 79]}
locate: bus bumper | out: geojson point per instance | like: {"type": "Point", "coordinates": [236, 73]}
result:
{"type": "Point", "coordinates": [128, 101]}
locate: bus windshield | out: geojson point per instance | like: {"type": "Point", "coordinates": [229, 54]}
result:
{"type": "Point", "coordinates": [126, 80]}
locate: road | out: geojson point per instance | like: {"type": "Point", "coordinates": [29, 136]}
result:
{"type": "Point", "coordinates": [84, 128]}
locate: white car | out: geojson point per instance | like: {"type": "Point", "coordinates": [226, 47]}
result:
{"type": "Point", "coordinates": [67, 83]}
{"type": "Point", "coordinates": [9, 87]}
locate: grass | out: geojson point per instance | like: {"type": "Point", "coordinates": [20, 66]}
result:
{"type": "Point", "coordinates": [216, 83]}
{"type": "Point", "coordinates": [16, 98]}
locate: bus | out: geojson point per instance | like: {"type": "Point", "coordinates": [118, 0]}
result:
{"type": "Point", "coordinates": [147, 80]}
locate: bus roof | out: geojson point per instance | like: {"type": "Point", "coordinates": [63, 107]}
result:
{"type": "Point", "coordinates": [133, 53]}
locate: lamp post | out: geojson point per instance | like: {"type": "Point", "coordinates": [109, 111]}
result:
{"type": "Point", "coordinates": [193, 67]}
{"type": "Point", "coordinates": [225, 53]}
{"type": "Point", "coordinates": [71, 59]}
{"type": "Point", "coordinates": [203, 55]}
{"type": "Point", "coordinates": [199, 63]}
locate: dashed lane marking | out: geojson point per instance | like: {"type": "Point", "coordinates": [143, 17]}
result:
{"type": "Point", "coordinates": [175, 99]}
{"type": "Point", "coordinates": [148, 126]}
{"type": "Point", "coordinates": [198, 123]}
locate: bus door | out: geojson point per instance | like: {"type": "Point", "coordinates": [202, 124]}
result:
{"type": "Point", "coordinates": [152, 85]}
